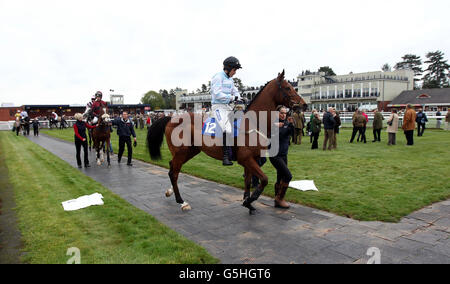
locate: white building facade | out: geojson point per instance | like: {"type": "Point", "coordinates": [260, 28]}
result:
{"type": "Point", "coordinates": [348, 92]}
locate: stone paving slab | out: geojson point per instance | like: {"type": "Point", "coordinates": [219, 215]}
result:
{"type": "Point", "coordinates": [301, 234]}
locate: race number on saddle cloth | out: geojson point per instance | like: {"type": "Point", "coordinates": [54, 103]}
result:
{"type": "Point", "coordinates": [213, 129]}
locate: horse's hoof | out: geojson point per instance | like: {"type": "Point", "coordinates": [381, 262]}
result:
{"type": "Point", "coordinates": [169, 192]}
{"type": "Point", "coordinates": [252, 212]}
{"type": "Point", "coordinates": [249, 206]}
{"type": "Point", "coordinates": [186, 207]}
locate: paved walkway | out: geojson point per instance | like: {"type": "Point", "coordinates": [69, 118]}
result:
{"type": "Point", "coordinates": [219, 223]}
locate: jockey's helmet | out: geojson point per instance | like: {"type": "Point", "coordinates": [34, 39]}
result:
{"type": "Point", "coordinates": [230, 63]}
{"type": "Point", "coordinates": [98, 94]}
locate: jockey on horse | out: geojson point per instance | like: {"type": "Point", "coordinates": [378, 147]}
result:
{"type": "Point", "coordinates": [223, 93]}
{"type": "Point", "coordinates": [98, 107]}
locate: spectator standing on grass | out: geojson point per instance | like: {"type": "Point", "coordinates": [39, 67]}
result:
{"type": "Point", "coordinates": [409, 124]}
{"type": "Point", "coordinates": [421, 120]}
{"type": "Point", "coordinates": [125, 129]}
{"type": "Point", "coordinates": [355, 128]}
{"type": "Point", "coordinates": [81, 139]}
{"type": "Point", "coordinates": [338, 124]}
{"type": "Point", "coordinates": [392, 127]}
{"type": "Point", "coordinates": [299, 120]}
{"type": "Point", "coordinates": [377, 126]}
{"type": "Point", "coordinates": [447, 121]}
{"type": "Point", "coordinates": [316, 126]}
{"type": "Point", "coordinates": [328, 126]}
{"type": "Point", "coordinates": [364, 129]}
{"type": "Point", "coordinates": [438, 120]}
{"type": "Point", "coordinates": [358, 125]}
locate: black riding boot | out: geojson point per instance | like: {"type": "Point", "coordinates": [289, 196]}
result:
{"type": "Point", "coordinates": [226, 158]}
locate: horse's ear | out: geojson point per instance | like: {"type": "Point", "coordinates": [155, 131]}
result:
{"type": "Point", "coordinates": [280, 76]}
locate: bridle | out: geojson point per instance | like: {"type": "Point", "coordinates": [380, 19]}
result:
{"type": "Point", "coordinates": [286, 97]}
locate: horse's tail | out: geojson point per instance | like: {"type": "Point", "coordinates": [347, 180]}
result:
{"type": "Point", "coordinates": [155, 137]}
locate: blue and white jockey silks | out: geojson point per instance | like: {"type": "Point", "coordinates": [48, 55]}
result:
{"type": "Point", "coordinates": [223, 92]}
{"type": "Point", "coordinates": [24, 114]}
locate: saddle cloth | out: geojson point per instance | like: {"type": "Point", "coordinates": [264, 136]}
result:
{"type": "Point", "coordinates": [213, 129]}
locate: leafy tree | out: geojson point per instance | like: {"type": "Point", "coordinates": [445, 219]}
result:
{"type": "Point", "coordinates": [154, 99]}
{"type": "Point", "coordinates": [436, 75]}
{"type": "Point", "coordinates": [386, 67]}
{"type": "Point", "coordinates": [239, 85]}
{"type": "Point", "coordinates": [412, 62]}
{"type": "Point", "coordinates": [328, 71]}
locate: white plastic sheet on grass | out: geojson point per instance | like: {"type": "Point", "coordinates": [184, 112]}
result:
{"type": "Point", "coordinates": [83, 202]}
{"type": "Point", "coordinates": [303, 185]}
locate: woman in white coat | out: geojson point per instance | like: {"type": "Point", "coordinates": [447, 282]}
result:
{"type": "Point", "coordinates": [392, 128]}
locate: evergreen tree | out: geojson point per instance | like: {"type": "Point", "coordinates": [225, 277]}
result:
{"type": "Point", "coordinates": [328, 71]}
{"type": "Point", "coordinates": [436, 75]}
{"type": "Point", "coordinates": [386, 67]}
{"type": "Point", "coordinates": [412, 62]}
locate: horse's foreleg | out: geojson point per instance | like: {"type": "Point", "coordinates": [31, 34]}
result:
{"type": "Point", "coordinates": [247, 182]}
{"type": "Point", "coordinates": [255, 169]}
{"type": "Point", "coordinates": [102, 150]}
{"type": "Point", "coordinates": [107, 153]}
{"type": "Point", "coordinates": [179, 159]}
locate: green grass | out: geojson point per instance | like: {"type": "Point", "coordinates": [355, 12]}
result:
{"type": "Point", "coordinates": [367, 182]}
{"type": "Point", "coordinates": [116, 232]}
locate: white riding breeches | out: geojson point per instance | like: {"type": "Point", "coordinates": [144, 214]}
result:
{"type": "Point", "coordinates": [95, 120]}
{"type": "Point", "coordinates": [224, 116]}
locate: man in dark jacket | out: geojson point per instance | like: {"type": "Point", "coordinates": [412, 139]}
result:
{"type": "Point", "coordinates": [36, 125]}
{"type": "Point", "coordinates": [421, 120]}
{"type": "Point", "coordinates": [338, 124]}
{"type": "Point", "coordinates": [125, 129]}
{"type": "Point", "coordinates": [328, 125]}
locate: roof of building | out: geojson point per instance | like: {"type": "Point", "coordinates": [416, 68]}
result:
{"type": "Point", "coordinates": [423, 97]}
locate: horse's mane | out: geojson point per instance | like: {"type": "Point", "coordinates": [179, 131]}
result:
{"type": "Point", "coordinates": [256, 96]}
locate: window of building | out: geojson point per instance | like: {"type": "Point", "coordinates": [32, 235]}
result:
{"type": "Point", "coordinates": [348, 93]}
{"type": "Point", "coordinates": [366, 92]}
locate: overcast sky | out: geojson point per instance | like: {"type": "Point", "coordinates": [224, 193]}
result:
{"type": "Point", "coordinates": [62, 52]}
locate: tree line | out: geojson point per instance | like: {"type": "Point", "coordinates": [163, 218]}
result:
{"type": "Point", "coordinates": [436, 74]}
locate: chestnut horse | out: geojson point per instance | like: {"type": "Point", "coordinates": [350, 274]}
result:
{"type": "Point", "coordinates": [276, 92]}
{"type": "Point", "coordinates": [101, 137]}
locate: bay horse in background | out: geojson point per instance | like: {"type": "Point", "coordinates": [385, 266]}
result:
{"type": "Point", "coordinates": [274, 93]}
{"type": "Point", "coordinates": [101, 136]}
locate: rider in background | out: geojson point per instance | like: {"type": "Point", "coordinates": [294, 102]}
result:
{"type": "Point", "coordinates": [223, 93]}
{"type": "Point", "coordinates": [55, 116]}
{"type": "Point", "coordinates": [18, 115]}
{"type": "Point", "coordinates": [97, 107]}
{"type": "Point", "coordinates": [24, 114]}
